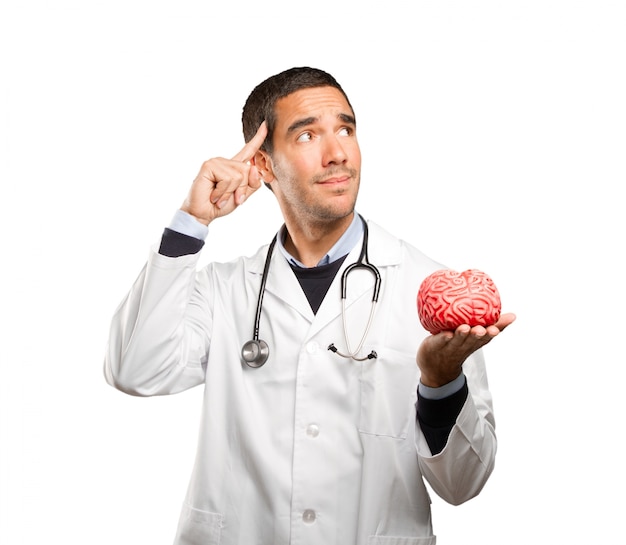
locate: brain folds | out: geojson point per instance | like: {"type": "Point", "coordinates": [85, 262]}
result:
{"type": "Point", "coordinates": [447, 299]}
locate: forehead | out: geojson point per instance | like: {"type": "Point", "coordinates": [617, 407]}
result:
{"type": "Point", "coordinates": [315, 103]}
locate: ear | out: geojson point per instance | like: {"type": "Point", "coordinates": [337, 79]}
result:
{"type": "Point", "coordinates": [263, 163]}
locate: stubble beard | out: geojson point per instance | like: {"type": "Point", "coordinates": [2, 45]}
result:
{"type": "Point", "coordinates": [322, 210]}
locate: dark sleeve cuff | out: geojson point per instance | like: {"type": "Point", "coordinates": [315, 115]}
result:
{"type": "Point", "coordinates": [437, 417]}
{"type": "Point", "coordinates": [175, 244]}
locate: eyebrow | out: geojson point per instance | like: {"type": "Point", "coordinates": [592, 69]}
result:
{"type": "Point", "coordinates": [346, 118]}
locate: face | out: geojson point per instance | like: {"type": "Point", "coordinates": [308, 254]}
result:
{"type": "Point", "coordinates": [315, 167]}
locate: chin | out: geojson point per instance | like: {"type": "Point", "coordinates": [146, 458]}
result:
{"type": "Point", "coordinates": [339, 212]}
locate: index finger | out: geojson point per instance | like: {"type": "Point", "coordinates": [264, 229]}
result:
{"type": "Point", "coordinates": [255, 143]}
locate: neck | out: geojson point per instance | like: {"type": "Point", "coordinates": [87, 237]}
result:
{"type": "Point", "coordinates": [311, 242]}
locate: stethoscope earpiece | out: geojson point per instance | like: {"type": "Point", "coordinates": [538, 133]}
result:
{"type": "Point", "coordinates": [255, 353]}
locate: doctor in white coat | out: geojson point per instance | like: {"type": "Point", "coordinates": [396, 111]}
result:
{"type": "Point", "coordinates": [323, 428]}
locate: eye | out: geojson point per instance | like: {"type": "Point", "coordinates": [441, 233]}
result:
{"type": "Point", "coordinates": [304, 137]}
{"type": "Point", "coordinates": [346, 131]}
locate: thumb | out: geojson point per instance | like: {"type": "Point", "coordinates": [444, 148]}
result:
{"type": "Point", "coordinates": [254, 178]}
{"type": "Point", "coordinates": [254, 182]}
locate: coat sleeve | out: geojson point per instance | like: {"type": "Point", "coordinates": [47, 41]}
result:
{"type": "Point", "coordinates": [159, 334]}
{"type": "Point", "coordinates": [460, 471]}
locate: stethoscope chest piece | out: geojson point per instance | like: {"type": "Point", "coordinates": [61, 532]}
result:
{"type": "Point", "coordinates": [255, 353]}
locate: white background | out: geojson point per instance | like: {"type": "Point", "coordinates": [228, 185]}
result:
{"type": "Point", "coordinates": [493, 136]}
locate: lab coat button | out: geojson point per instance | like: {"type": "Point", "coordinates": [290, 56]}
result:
{"type": "Point", "coordinates": [309, 516]}
{"type": "Point", "coordinates": [313, 430]}
{"type": "Point", "coordinates": [312, 348]}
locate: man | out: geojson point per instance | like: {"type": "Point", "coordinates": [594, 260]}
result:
{"type": "Point", "coordinates": [322, 430]}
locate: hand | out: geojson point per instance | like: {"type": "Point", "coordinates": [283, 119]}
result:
{"type": "Point", "coordinates": [440, 357]}
{"type": "Point", "coordinates": [223, 184]}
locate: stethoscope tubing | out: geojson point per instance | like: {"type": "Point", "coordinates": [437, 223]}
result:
{"type": "Point", "coordinates": [256, 352]}
{"type": "Point", "coordinates": [259, 305]}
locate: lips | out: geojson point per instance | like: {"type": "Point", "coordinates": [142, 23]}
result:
{"type": "Point", "coordinates": [336, 180]}
{"type": "Point", "coordinates": [332, 177]}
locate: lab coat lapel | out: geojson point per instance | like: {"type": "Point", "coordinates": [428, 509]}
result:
{"type": "Point", "coordinates": [384, 251]}
{"type": "Point", "coordinates": [330, 308]}
{"type": "Point", "coordinates": [283, 284]}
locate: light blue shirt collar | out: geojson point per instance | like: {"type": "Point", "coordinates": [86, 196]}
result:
{"type": "Point", "coordinates": [342, 247]}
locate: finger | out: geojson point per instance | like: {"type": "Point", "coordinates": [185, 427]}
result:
{"type": "Point", "coordinates": [463, 341]}
{"type": "Point", "coordinates": [250, 181]}
{"type": "Point", "coordinates": [230, 175]}
{"type": "Point", "coordinates": [224, 200]}
{"type": "Point", "coordinates": [505, 320]}
{"type": "Point", "coordinates": [254, 179]}
{"type": "Point", "coordinates": [245, 190]}
{"type": "Point", "coordinates": [248, 151]}
{"type": "Point", "coordinates": [240, 195]}
{"type": "Point", "coordinates": [463, 335]}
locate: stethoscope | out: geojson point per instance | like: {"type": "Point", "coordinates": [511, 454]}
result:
{"type": "Point", "coordinates": [256, 351]}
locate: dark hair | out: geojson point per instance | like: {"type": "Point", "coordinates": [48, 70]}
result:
{"type": "Point", "coordinates": [260, 105]}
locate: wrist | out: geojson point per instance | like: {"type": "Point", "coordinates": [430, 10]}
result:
{"type": "Point", "coordinates": [443, 391]}
{"type": "Point", "coordinates": [188, 224]}
{"type": "Point", "coordinates": [438, 379]}
{"type": "Point", "coordinates": [198, 219]}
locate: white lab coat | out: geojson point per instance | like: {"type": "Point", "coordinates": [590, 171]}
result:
{"type": "Point", "coordinates": [311, 448]}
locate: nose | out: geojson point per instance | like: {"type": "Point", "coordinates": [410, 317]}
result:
{"type": "Point", "coordinates": [334, 152]}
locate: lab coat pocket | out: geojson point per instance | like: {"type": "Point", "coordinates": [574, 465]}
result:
{"type": "Point", "coordinates": [389, 540]}
{"type": "Point", "coordinates": [199, 527]}
{"type": "Point", "coordinates": [388, 394]}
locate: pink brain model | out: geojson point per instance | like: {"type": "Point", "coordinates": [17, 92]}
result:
{"type": "Point", "coordinates": [446, 299]}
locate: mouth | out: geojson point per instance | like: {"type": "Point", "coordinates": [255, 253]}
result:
{"type": "Point", "coordinates": [337, 178]}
